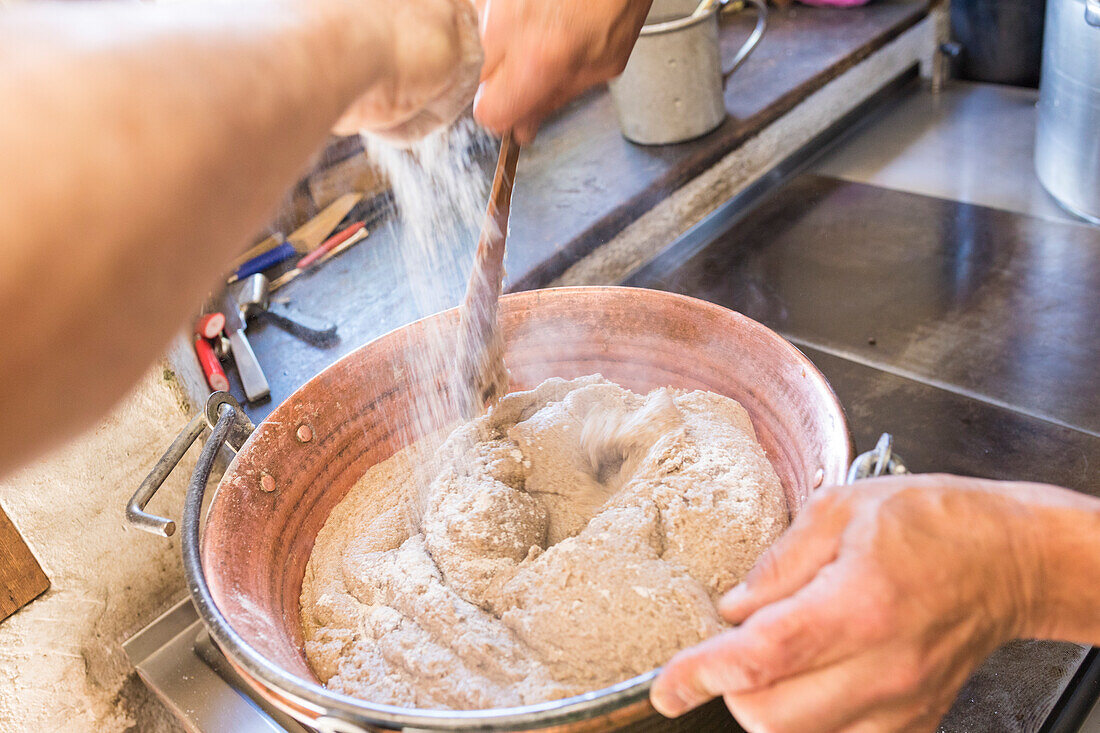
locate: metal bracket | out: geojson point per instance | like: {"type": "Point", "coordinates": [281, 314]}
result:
{"type": "Point", "coordinates": [219, 406]}
{"type": "Point", "coordinates": [881, 461]}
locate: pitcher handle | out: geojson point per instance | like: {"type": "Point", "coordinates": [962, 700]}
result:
{"type": "Point", "coordinates": [757, 33]}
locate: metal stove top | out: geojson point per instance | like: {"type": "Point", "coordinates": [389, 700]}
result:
{"type": "Point", "coordinates": [177, 660]}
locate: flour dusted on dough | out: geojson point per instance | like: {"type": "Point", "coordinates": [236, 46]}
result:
{"type": "Point", "coordinates": [575, 536]}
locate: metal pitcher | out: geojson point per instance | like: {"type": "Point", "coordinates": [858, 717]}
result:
{"type": "Point", "coordinates": [1067, 138]}
{"type": "Point", "coordinates": [672, 89]}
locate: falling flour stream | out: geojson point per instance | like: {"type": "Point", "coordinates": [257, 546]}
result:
{"type": "Point", "coordinates": [439, 187]}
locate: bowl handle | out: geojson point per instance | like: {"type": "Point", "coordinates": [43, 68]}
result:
{"type": "Point", "coordinates": [881, 461]}
{"type": "Point", "coordinates": [220, 408]}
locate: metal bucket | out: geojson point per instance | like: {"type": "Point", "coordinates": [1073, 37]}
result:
{"type": "Point", "coordinates": [245, 573]}
{"type": "Point", "coordinates": [672, 89]}
{"type": "Point", "coordinates": [1067, 138]}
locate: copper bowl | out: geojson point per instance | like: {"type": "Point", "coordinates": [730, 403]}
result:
{"type": "Point", "coordinates": [302, 460]}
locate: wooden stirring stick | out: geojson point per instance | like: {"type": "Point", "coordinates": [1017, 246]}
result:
{"type": "Point", "coordinates": [480, 351]}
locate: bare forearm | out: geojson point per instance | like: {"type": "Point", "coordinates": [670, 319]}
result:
{"type": "Point", "coordinates": [138, 146]}
{"type": "Point", "coordinates": [1068, 606]}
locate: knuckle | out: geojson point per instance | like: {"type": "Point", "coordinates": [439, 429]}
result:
{"type": "Point", "coordinates": [711, 679]}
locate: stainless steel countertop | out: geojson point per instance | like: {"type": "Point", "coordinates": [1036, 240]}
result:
{"type": "Point", "coordinates": [971, 143]}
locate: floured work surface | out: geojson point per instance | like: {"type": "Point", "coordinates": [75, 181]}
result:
{"type": "Point", "coordinates": [574, 537]}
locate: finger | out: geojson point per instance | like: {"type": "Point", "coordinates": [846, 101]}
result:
{"type": "Point", "coordinates": [817, 626]}
{"type": "Point", "coordinates": [363, 116]}
{"type": "Point", "coordinates": [810, 543]}
{"type": "Point", "coordinates": [828, 699]}
{"type": "Point", "coordinates": [525, 133]}
{"type": "Point", "coordinates": [523, 85]}
{"type": "Point", "coordinates": [494, 37]}
{"type": "Point", "coordinates": [680, 687]}
{"type": "Point", "coordinates": [809, 630]}
{"type": "Point", "coordinates": [501, 100]}
{"type": "Point", "coordinates": [527, 128]}
{"type": "Point", "coordinates": [551, 102]}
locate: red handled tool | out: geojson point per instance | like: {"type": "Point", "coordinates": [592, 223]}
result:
{"type": "Point", "coordinates": [211, 367]}
{"type": "Point", "coordinates": [210, 325]}
{"type": "Point", "coordinates": [329, 244]}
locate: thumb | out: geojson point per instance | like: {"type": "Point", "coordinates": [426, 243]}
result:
{"type": "Point", "coordinates": [498, 104]}
{"type": "Point", "coordinates": [811, 543]}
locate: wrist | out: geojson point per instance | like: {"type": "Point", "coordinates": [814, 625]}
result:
{"type": "Point", "coordinates": [1065, 569]}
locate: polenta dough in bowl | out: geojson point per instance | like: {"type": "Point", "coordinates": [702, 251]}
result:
{"type": "Point", "coordinates": [575, 536]}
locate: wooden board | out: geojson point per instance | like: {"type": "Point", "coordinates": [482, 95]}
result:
{"type": "Point", "coordinates": [21, 577]}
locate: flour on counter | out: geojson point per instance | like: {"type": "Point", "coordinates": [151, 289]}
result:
{"type": "Point", "coordinates": [575, 536]}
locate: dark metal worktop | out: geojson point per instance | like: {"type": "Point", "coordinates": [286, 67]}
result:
{"type": "Point", "coordinates": [967, 332]}
{"type": "Point", "coordinates": [980, 301]}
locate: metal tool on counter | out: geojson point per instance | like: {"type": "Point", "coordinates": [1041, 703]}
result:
{"type": "Point", "coordinates": [208, 331]}
{"type": "Point", "coordinates": [252, 376]}
{"type": "Point", "coordinates": [263, 261]}
{"type": "Point", "coordinates": [480, 358]}
{"type": "Point", "coordinates": [673, 87]}
{"type": "Point", "coordinates": [255, 301]}
{"type": "Point", "coordinates": [210, 325]}
{"type": "Point", "coordinates": [211, 365]}
{"type": "Point", "coordinates": [309, 236]}
{"type": "Point", "coordinates": [221, 347]}
{"type": "Point", "coordinates": [333, 245]}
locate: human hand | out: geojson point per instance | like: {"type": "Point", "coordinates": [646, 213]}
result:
{"type": "Point", "coordinates": [539, 54]}
{"type": "Point", "coordinates": [429, 73]}
{"type": "Point", "coordinates": [873, 609]}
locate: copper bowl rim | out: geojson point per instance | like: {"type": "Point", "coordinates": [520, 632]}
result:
{"type": "Point", "coordinates": [302, 698]}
